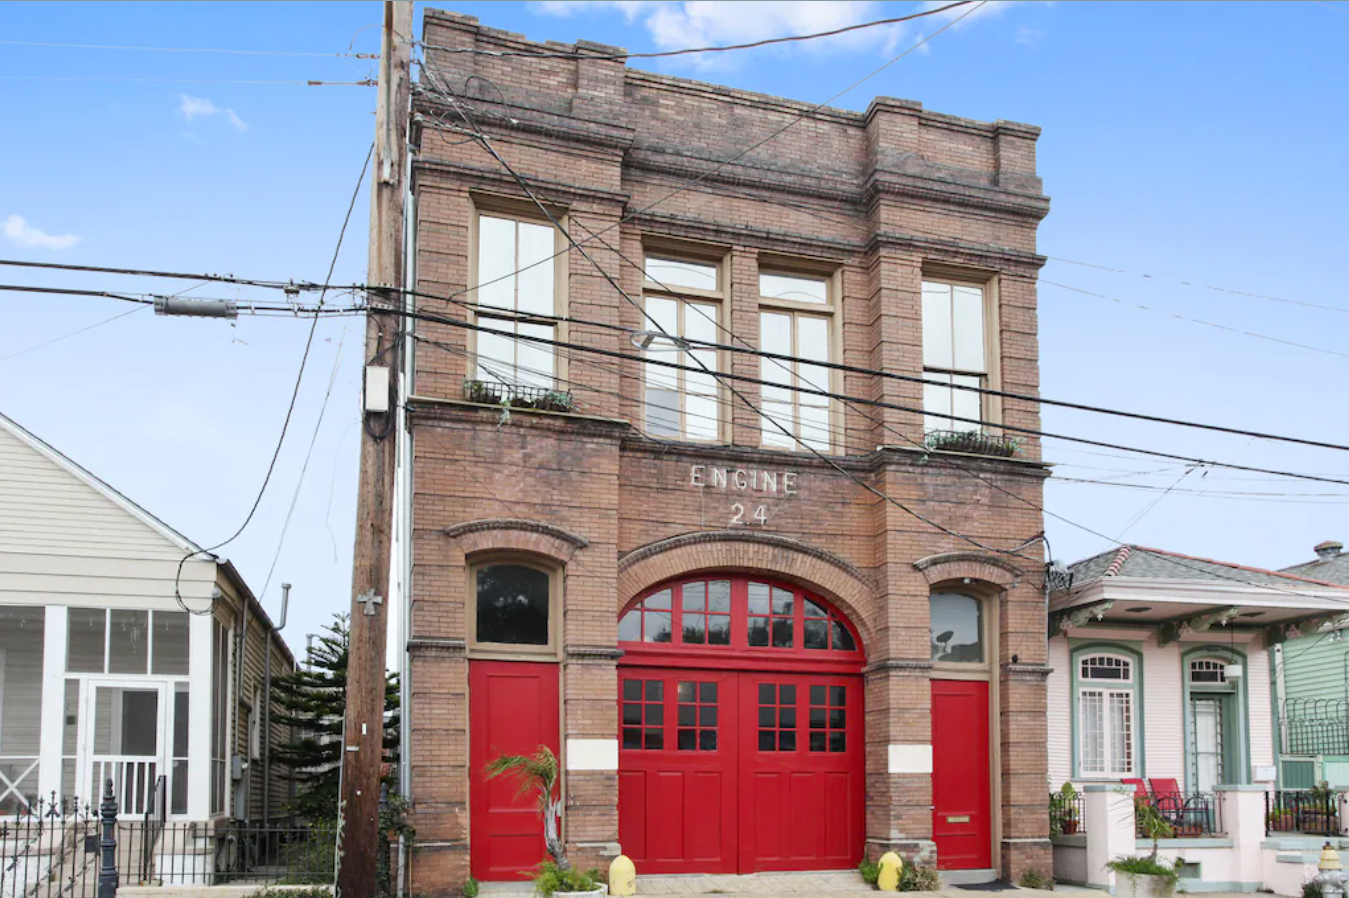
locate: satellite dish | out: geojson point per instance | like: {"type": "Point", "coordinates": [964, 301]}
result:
{"type": "Point", "coordinates": [947, 636]}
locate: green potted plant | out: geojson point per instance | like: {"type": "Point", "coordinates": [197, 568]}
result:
{"type": "Point", "coordinates": [1283, 820]}
{"type": "Point", "coordinates": [1068, 821]}
{"type": "Point", "coordinates": [539, 773]}
{"type": "Point", "coordinates": [1322, 817]}
{"type": "Point", "coordinates": [1150, 876]}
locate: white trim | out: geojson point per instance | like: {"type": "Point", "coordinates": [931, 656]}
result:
{"type": "Point", "coordinates": [592, 754]}
{"type": "Point", "coordinates": [101, 487]}
{"type": "Point", "coordinates": [1292, 596]}
{"type": "Point", "coordinates": [52, 727]}
{"type": "Point", "coordinates": [910, 758]}
{"type": "Point", "coordinates": [199, 716]}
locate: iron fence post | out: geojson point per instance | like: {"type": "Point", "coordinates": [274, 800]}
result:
{"type": "Point", "coordinates": [107, 871]}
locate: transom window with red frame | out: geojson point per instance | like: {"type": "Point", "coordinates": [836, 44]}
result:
{"type": "Point", "coordinates": [724, 613]}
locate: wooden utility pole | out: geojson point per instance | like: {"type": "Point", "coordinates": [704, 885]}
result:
{"type": "Point", "coordinates": [363, 734]}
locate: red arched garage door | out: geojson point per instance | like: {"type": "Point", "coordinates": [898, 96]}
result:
{"type": "Point", "coordinates": [741, 730]}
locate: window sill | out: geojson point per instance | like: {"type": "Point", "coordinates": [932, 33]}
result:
{"type": "Point", "coordinates": [464, 403]}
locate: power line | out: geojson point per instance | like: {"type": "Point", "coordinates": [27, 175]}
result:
{"type": "Point", "coordinates": [60, 46]}
{"type": "Point", "coordinates": [15, 355]}
{"type": "Point", "coordinates": [290, 410]}
{"type": "Point", "coordinates": [368, 82]}
{"type": "Point", "coordinates": [597, 57]}
{"type": "Point", "coordinates": [306, 286]}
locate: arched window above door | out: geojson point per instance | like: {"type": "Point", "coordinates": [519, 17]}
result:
{"type": "Point", "coordinates": [723, 613]}
{"type": "Point", "coordinates": [956, 627]}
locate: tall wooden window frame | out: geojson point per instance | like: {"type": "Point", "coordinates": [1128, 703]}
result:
{"type": "Point", "coordinates": [506, 650]}
{"type": "Point", "coordinates": [781, 403]}
{"type": "Point", "coordinates": [702, 420]}
{"type": "Point", "coordinates": [526, 366]}
{"type": "Point", "coordinates": [941, 403]}
{"type": "Point", "coordinates": [1118, 710]}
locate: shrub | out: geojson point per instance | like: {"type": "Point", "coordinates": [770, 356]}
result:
{"type": "Point", "coordinates": [1311, 889]}
{"type": "Point", "coordinates": [471, 888]}
{"type": "Point", "coordinates": [311, 892]}
{"type": "Point", "coordinates": [917, 878]}
{"type": "Point", "coordinates": [871, 871]}
{"type": "Point", "coordinates": [1144, 866]}
{"type": "Point", "coordinates": [550, 878]}
{"type": "Point", "coordinates": [1034, 879]}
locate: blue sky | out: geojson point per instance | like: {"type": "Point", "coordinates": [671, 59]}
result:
{"type": "Point", "coordinates": [1199, 143]}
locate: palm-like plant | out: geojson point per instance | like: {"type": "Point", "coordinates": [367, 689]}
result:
{"type": "Point", "coordinates": [536, 772]}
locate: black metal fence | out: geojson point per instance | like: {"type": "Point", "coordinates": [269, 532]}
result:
{"type": "Point", "coordinates": [1315, 726]}
{"type": "Point", "coordinates": [1067, 814]}
{"type": "Point", "coordinates": [1189, 815]}
{"type": "Point", "coordinates": [493, 392]}
{"type": "Point", "coordinates": [1305, 811]}
{"type": "Point", "coordinates": [55, 849]}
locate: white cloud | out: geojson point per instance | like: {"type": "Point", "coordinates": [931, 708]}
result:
{"type": "Point", "coordinates": [199, 107]}
{"type": "Point", "coordinates": [21, 233]}
{"type": "Point", "coordinates": [703, 23]}
{"type": "Point", "coordinates": [1030, 37]}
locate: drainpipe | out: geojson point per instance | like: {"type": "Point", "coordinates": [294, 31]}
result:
{"type": "Point", "coordinates": [267, 712]}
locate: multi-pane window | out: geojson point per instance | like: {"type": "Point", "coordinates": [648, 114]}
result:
{"type": "Point", "coordinates": [824, 629]}
{"type": "Point", "coordinates": [696, 710]}
{"type": "Point", "coordinates": [953, 353]}
{"type": "Point", "coordinates": [644, 714]}
{"type": "Point", "coordinates": [516, 276]}
{"type": "Point", "coordinates": [828, 718]}
{"type": "Point", "coordinates": [1105, 716]}
{"type": "Point", "coordinates": [1208, 670]}
{"type": "Point", "coordinates": [770, 615]}
{"type": "Point", "coordinates": [122, 641]}
{"type": "Point", "coordinates": [682, 300]}
{"type": "Point", "coordinates": [707, 612]}
{"type": "Point", "coordinates": [220, 665]}
{"type": "Point", "coordinates": [788, 327]}
{"type": "Point", "coordinates": [777, 717]}
{"type": "Point", "coordinates": [650, 620]}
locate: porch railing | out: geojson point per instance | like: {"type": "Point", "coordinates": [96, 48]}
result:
{"type": "Point", "coordinates": [241, 851]}
{"type": "Point", "coordinates": [133, 781]}
{"type": "Point", "coordinates": [1306, 811]}
{"type": "Point", "coordinates": [1067, 815]}
{"type": "Point", "coordinates": [1189, 815]}
{"type": "Point", "coordinates": [18, 782]}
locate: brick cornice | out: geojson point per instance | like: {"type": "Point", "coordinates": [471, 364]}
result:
{"type": "Point", "coordinates": [426, 645]}
{"type": "Point", "coordinates": [1033, 672]}
{"type": "Point", "coordinates": [498, 179]}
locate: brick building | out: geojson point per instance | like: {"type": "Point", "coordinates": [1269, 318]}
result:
{"type": "Point", "coordinates": [745, 659]}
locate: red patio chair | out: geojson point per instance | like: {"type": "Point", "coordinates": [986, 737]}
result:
{"type": "Point", "coordinates": [1140, 789]}
{"type": "Point", "coordinates": [1186, 816]}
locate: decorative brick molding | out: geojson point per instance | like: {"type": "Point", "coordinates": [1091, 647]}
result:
{"type": "Point", "coordinates": [517, 535]}
{"type": "Point", "coordinates": [745, 550]}
{"type": "Point", "coordinates": [429, 645]}
{"type": "Point", "coordinates": [979, 566]}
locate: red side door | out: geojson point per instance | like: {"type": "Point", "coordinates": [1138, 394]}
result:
{"type": "Point", "coordinates": [513, 709]}
{"type": "Point", "coordinates": [801, 772]}
{"type": "Point", "coordinates": [676, 771]}
{"type": "Point", "coordinates": [962, 824]}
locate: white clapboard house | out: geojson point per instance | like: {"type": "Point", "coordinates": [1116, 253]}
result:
{"type": "Point", "coordinates": [104, 675]}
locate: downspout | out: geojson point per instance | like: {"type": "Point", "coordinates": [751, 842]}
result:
{"type": "Point", "coordinates": [267, 712]}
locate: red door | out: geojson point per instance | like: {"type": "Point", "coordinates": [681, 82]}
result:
{"type": "Point", "coordinates": [962, 824]}
{"type": "Point", "coordinates": [513, 709]}
{"type": "Point", "coordinates": [801, 772]}
{"type": "Point", "coordinates": [676, 770]}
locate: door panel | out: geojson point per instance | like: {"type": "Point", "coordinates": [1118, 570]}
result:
{"type": "Point", "coordinates": [676, 781]}
{"type": "Point", "coordinates": [962, 824]}
{"type": "Point", "coordinates": [513, 709]}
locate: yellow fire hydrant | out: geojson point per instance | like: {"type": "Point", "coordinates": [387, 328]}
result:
{"type": "Point", "coordinates": [891, 866]}
{"type": "Point", "coordinates": [622, 876]}
{"type": "Point", "coordinates": [1332, 877]}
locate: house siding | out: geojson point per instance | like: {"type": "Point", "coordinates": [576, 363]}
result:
{"type": "Point", "coordinates": [1315, 668]}
{"type": "Point", "coordinates": [1059, 713]}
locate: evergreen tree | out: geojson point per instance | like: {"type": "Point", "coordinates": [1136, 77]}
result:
{"type": "Point", "coordinates": [313, 702]}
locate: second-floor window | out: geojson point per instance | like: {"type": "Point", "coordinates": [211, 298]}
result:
{"type": "Point", "coordinates": [789, 326]}
{"type": "Point", "coordinates": [515, 275]}
{"type": "Point", "coordinates": [953, 353]}
{"type": "Point", "coordinates": [683, 299]}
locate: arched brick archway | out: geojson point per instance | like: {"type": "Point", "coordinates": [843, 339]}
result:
{"type": "Point", "coordinates": [780, 557]}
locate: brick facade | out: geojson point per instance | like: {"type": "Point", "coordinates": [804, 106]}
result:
{"type": "Point", "coordinates": [878, 200]}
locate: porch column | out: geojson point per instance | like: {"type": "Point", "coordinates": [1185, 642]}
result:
{"type": "Point", "coordinates": [1110, 830]}
{"type": "Point", "coordinates": [52, 721]}
{"type": "Point", "coordinates": [1243, 817]}
{"type": "Point", "coordinates": [199, 716]}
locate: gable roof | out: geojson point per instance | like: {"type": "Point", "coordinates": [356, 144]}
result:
{"type": "Point", "coordinates": [97, 484]}
{"type": "Point", "coordinates": [1142, 562]}
{"type": "Point", "coordinates": [1331, 570]}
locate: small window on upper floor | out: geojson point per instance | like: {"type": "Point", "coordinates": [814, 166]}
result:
{"type": "Point", "coordinates": [682, 298]}
{"type": "Point", "coordinates": [795, 415]}
{"type": "Point", "coordinates": [515, 279]}
{"type": "Point", "coordinates": [513, 608]}
{"type": "Point", "coordinates": [954, 352]}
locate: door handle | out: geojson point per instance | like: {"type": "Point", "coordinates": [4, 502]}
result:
{"type": "Point", "coordinates": [960, 818]}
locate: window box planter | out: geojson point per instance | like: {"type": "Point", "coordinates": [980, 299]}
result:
{"type": "Point", "coordinates": [972, 442]}
{"type": "Point", "coordinates": [517, 396]}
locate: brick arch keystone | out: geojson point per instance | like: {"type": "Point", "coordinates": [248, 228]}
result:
{"type": "Point", "coordinates": [519, 535]}
{"type": "Point", "coordinates": [980, 566]}
{"type": "Point", "coordinates": [837, 580]}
